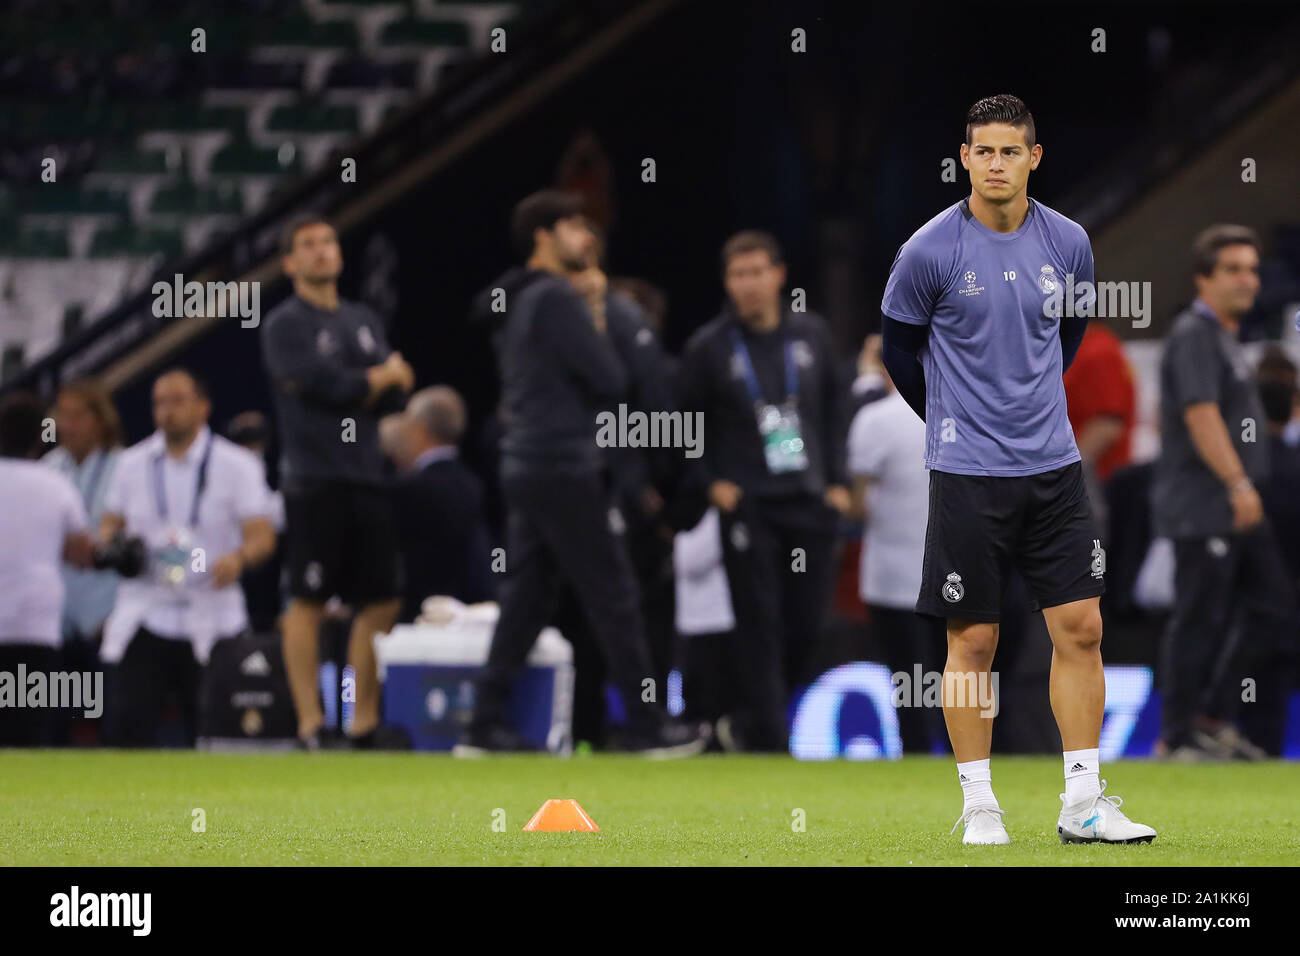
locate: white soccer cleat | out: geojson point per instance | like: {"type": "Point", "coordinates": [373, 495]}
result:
{"type": "Point", "coordinates": [1100, 820]}
{"type": "Point", "coordinates": [982, 825]}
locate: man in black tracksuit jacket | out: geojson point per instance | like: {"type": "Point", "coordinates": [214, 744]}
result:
{"type": "Point", "coordinates": [558, 370]}
{"type": "Point", "coordinates": [774, 434]}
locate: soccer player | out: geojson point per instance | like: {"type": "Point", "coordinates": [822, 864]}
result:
{"type": "Point", "coordinates": [333, 376]}
{"type": "Point", "coordinates": [973, 344]}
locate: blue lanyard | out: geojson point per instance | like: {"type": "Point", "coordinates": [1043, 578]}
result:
{"type": "Point", "coordinates": [751, 377]}
{"type": "Point", "coordinates": [88, 496]}
{"type": "Point", "coordinates": [201, 482]}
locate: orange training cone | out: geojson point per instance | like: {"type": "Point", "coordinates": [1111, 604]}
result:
{"type": "Point", "coordinates": [561, 816]}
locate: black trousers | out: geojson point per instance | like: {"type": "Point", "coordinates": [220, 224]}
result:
{"type": "Point", "coordinates": [153, 672]}
{"type": "Point", "coordinates": [28, 726]}
{"type": "Point", "coordinates": [1233, 608]}
{"type": "Point", "coordinates": [910, 639]}
{"type": "Point", "coordinates": [559, 531]}
{"type": "Point", "coordinates": [778, 554]}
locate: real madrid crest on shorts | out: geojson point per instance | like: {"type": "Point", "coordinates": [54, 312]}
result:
{"type": "Point", "coordinates": [739, 536]}
{"type": "Point", "coordinates": [953, 590]}
{"type": "Point", "coordinates": [313, 575]}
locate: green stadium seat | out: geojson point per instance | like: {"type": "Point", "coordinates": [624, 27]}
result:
{"type": "Point", "coordinates": [243, 158]}
{"type": "Point", "coordinates": [425, 33]}
{"type": "Point", "coordinates": [188, 199]}
{"type": "Point", "coordinates": [68, 199]}
{"type": "Point", "coordinates": [142, 162]}
{"type": "Point", "coordinates": [308, 33]}
{"type": "Point", "coordinates": [314, 118]}
{"type": "Point", "coordinates": [35, 244]}
{"type": "Point", "coordinates": [133, 241]}
{"type": "Point", "coordinates": [188, 117]}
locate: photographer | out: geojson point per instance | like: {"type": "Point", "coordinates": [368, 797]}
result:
{"type": "Point", "coordinates": [201, 505]}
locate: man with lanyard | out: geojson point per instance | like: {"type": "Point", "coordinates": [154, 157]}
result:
{"type": "Point", "coordinates": [773, 462]}
{"type": "Point", "coordinates": [201, 505]}
{"type": "Point", "coordinates": [89, 443]}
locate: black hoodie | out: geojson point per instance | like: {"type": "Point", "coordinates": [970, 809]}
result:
{"type": "Point", "coordinates": [557, 372]}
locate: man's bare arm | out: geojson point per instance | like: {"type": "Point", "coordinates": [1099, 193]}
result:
{"type": "Point", "coordinates": [1210, 436]}
{"type": "Point", "coordinates": [1212, 441]}
{"type": "Point", "coordinates": [109, 525]}
{"type": "Point", "coordinates": [1100, 432]}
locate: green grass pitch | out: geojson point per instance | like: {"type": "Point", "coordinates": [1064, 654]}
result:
{"type": "Point", "coordinates": [137, 808]}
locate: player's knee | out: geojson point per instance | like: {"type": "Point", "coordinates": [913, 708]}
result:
{"type": "Point", "coordinates": [1081, 628]}
{"type": "Point", "coordinates": [381, 614]}
{"type": "Point", "coordinates": [973, 641]}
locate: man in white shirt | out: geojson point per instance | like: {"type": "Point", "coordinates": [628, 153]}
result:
{"type": "Point", "coordinates": [201, 505]}
{"type": "Point", "coordinates": [886, 457]}
{"type": "Point", "coordinates": [42, 524]}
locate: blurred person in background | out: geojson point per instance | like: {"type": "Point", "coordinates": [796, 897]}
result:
{"type": "Point", "coordinates": [886, 458]}
{"type": "Point", "coordinates": [261, 584]}
{"type": "Point", "coordinates": [765, 379]}
{"type": "Point", "coordinates": [1102, 404]}
{"type": "Point", "coordinates": [442, 535]}
{"type": "Point", "coordinates": [1205, 498]}
{"type": "Point", "coordinates": [89, 433]}
{"type": "Point", "coordinates": [1276, 680]}
{"type": "Point", "coordinates": [200, 503]}
{"type": "Point", "coordinates": [333, 377]}
{"type": "Point", "coordinates": [635, 476]}
{"type": "Point", "coordinates": [558, 370]}
{"type": "Point", "coordinates": [42, 525]}
{"type": "Point", "coordinates": [868, 375]}
{"type": "Point", "coordinates": [704, 620]}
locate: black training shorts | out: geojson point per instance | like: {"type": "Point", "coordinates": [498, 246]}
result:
{"type": "Point", "coordinates": [341, 540]}
{"type": "Point", "coordinates": [981, 526]}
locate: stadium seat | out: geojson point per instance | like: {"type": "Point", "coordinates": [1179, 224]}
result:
{"type": "Point", "coordinates": [314, 118]}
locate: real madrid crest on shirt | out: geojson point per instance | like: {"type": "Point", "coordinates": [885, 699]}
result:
{"type": "Point", "coordinates": [953, 590]}
{"type": "Point", "coordinates": [1047, 280]}
{"type": "Point", "coordinates": [366, 339]}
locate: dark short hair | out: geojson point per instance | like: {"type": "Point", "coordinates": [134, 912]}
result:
{"type": "Point", "coordinates": [200, 382]}
{"type": "Point", "coordinates": [296, 224]}
{"type": "Point", "coordinates": [1205, 250]}
{"type": "Point", "coordinates": [22, 416]}
{"type": "Point", "coordinates": [1003, 108]}
{"type": "Point", "coordinates": [541, 210]}
{"type": "Point", "coordinates": [751, 240]}
{"type": "Point", "coordinates": [1274, 363]}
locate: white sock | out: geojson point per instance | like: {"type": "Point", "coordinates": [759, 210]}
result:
{"type": "Point", "coordinates": [976, 784]}
{"type": "Point", "coordinates": [1082, 776]}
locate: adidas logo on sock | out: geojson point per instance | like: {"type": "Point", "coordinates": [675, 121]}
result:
{"type": "Point", "coordinates": [1077, 768]}
{"type": "Point", "coordinates": [963, 778]}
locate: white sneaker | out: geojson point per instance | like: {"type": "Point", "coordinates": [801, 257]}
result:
{"type": "Point", "coordinates": [1100, 820]}
{"type": "Point", "coordinates": [982, 825]}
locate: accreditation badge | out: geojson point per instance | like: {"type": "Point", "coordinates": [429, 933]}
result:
{"type": "Point", "coordinates": [171, 558]}
{"type": "Point", "coordinates": [783, 445]}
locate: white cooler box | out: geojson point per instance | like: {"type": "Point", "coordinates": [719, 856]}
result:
{"type": "Point", "coordinates": [428, 671]}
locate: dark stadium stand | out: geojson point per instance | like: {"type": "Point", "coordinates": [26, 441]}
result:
{"type": "Point", "coordinates": [159, 149]}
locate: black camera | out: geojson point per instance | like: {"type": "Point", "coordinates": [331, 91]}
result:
{"type": "Point", "coordinates": [126, 556]}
